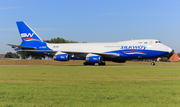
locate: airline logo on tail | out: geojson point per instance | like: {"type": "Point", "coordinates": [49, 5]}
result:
{"type": "Point", "coordinates": [28, 37]}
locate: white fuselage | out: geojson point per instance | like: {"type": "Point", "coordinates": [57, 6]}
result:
{"type": "Point", "coordinates": [144, 44]}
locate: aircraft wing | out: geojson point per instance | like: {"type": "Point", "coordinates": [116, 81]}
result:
{"type": "Point", "coordinates": [46, 51]}
{"type": "Point", "coordinates": [111, 55]}
{"type": "Point", "coordinates": [23, 47]}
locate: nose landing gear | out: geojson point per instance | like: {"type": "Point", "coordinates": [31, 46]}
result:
{"type": "Point", "coordinates": [153, 62]}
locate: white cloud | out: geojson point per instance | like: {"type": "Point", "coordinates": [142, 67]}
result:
{"type": "Point", "coordinates": [151, 15]}
{"type": "Point", "coordinates": [171, 14]}
{"type": "Point", "coordinates": [110, 14]}
{"type": "Point", "coordinates": [8, 29]}
{"type": "Point", "coordinates": [6, 8]}
{"type": "Point", "coordinates": [43, 29]}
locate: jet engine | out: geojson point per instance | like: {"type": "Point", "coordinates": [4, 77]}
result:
{"type": "Point", "coordinates": [94, 59]}
{"type": "Point", "coordinates": [62, 57]}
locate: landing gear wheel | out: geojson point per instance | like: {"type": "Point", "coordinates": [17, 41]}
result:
{"type": "Point", "coordinates": [88, 63]}
{"type": "Point", "coordinates": [153, 63]}
{"type": "Point", "coordinates": [85, 63]}
{"type": "Point", "coordinates": [101, 63]}
{"type": "Point", "coordinates": [92, 64]}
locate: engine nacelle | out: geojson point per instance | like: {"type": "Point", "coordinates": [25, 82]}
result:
{"type": "Point", "coordinates": [94, 59]}
{"type": "Point", "coordinates": [62, 57]}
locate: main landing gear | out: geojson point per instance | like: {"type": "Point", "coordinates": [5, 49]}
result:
{"type": "Point", "coordinates": [91, 63]}
{"type": "Point", "coordinates": [102, 63]}
{"type": "Point", "coordinates": [88, 63]}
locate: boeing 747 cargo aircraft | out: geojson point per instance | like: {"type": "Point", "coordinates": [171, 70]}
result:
{"type": "Point", "coordinates": [90, 52]}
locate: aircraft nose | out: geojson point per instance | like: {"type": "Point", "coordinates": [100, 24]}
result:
{"type": "Point", "coordinates": [170, 50]}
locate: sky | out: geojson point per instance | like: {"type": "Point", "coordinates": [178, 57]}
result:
{"type": "Point", "coordinates": [92, 20]}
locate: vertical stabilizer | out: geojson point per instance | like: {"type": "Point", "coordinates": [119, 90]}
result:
{"type": "Point", "coordinates": [28, 36]}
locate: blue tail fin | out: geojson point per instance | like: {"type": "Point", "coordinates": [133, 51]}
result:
{"type": "Point", "coordinates": [28, 36]}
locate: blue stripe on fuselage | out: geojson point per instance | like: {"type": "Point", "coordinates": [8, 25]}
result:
{"type": "Point", "coordinates": [138, 54]}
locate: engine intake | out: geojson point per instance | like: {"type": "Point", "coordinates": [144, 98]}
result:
{"type": "Point", "coordinates": [62, 57]}
{"type": "Point", "coordinates": [94, 59]}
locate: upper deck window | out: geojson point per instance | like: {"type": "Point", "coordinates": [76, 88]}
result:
{"type": "Point", "coordinates": [158, 42]}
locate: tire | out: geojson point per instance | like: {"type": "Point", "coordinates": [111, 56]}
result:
{"type": "Point", "coordinates": [152, 63]}
{"type": "Point", "coordinates": [101, 64]}
{"type": "Point", "coordinates": [87, 63]}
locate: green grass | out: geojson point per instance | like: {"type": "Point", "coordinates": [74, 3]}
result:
{"type": "Point", "coordinates": [87, 86]}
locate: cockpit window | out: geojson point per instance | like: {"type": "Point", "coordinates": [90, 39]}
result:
{"type": "Point", "coordinates": [158, 42]}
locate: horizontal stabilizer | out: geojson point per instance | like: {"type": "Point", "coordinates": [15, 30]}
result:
{"type": "Point", "coordinates": [23, 47]}
{"type": "Point", "coordinates": [46, 51]}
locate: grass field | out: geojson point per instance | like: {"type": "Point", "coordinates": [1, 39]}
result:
{"type": "Point", "coordinates": [90, 86]}
{"type": "Point", "coordinates": [78, 62]}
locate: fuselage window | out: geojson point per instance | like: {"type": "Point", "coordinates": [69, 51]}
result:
{"type": "Point", "coordinates": [158, 42]}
